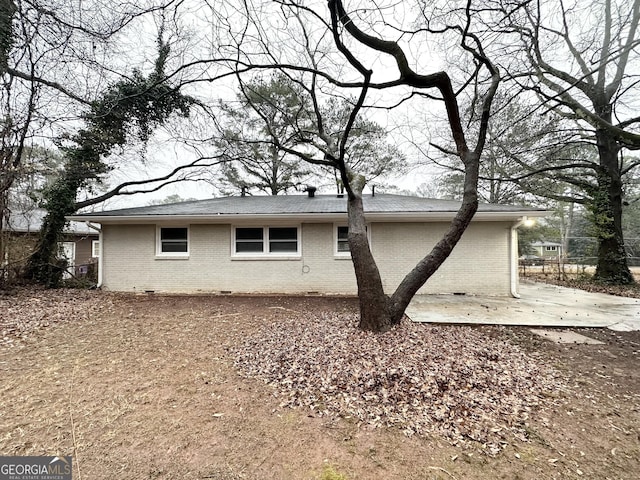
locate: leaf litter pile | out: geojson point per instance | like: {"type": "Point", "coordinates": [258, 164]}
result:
{"type": "Point", "coordinates": [27, 310]}
{"type": "Point", "coordinates": [454, 381]}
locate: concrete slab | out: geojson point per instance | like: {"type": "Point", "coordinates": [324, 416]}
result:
{"type": "Point", "coordinates": [565, 336]}
{"type": "Point", "coordinates": [540, 305]}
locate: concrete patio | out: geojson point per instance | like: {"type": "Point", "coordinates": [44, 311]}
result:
{"type": "Point", "coordinates": [540, 305]}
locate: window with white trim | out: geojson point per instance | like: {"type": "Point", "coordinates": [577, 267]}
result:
{"type": "Point", "coordinates": [249, 240]}
{"type": "Point", "coordinates": [551, 248]}
{"type": "Point", "coordinates": [283, 240]}
{"type": "Point", "coordinates": [173, 241]}
{"type": "Point", "coordinates": [267, 241]}
{"type": "Point", "coordinates": [95, 248]}
{"type": "Point", "coordinates": [341, 240]}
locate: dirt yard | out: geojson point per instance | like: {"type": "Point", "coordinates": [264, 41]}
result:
{"type": "Point", "coordinates": [200, 387]}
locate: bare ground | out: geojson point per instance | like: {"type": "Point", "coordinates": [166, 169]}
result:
{"type": "Point", "coordinates": [169, 387]}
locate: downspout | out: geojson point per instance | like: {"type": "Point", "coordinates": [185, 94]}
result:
{"type": "Point", "coordinates": [99, 230]}
{"type": "Point", "coordinates": [100, 261]}
{"type": "Point", "coordinates": [513, 257]}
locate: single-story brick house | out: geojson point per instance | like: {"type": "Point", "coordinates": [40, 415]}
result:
{"type": "Point", "coordinates": [298, 244]}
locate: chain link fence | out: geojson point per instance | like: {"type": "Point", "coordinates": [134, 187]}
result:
{"type": "Point", "coordinates": [580, 261]}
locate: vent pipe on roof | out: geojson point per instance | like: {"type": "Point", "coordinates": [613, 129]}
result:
{"type": "Point", "coordinates": [311, 190]}
{"type": "Point", "coordinates": [373, 190]}
{"type": "Point", "coordinates": [243, 191]}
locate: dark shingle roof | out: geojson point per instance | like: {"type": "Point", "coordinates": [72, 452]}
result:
{"type": "Point", "coordinates": [31, 222]}
{"type": "Point", "coordinates": [299, 204]}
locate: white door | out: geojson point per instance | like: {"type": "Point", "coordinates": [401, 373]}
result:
{"type": "Point", "coordinates": [67, 250]}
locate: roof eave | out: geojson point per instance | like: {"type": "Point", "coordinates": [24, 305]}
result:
{"type": "Point", "coordinates": [304, 217]}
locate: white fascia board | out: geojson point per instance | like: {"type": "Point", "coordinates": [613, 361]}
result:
{"type": "Point", "coordinates": [209, 219]}
{"type": "Point", "coordinates": [448, 216]}
{"type": "Point", "coordinates": [306, 218]}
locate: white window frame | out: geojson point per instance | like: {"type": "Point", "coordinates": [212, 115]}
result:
{"type": "Point", "coordinates": [551, 248]}
{"type": "Point", "coordinates": [160, 253]}
{"type": "Point", "coordinates": [346, 254]}
{"type": "Point", "coordinates": [265, 253]}
{"type": "Point", "coordinates": [336, 251]}
{"type": "Point", "coordinates": [95, 248]}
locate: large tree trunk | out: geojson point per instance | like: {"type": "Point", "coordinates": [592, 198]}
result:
{"type": "Point", "coordinates": [428, 265]}
{"type": "Point", "coordinates": [417, 277]}
{"type": "Point", "coordinates": [374, 303]}
{"type": "Point", "coordinates": [606, 208]}
{"type": "Point", "coordinates": [44, 266]}
{"type": "Point", "coordinates": [4, 238]}
{"type": "Point", "coordinates": [378, 312]}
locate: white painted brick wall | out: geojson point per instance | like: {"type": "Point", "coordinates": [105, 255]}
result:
{"type": "Point", "coordinates": [479, 264]}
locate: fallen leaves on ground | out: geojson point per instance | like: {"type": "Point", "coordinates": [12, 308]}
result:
{"type": "Point", "coordinates": [26, 310]}
{"type": "Point", "coordinates": [447, 380]}
{"type": "Point", "coordinates": [423, 379]}
{"type": "Point", "coordinates": [630, 291]}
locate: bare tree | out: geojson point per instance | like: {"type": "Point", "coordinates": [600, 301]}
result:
{"type": "Point", "coordinates": [521, 145]}
{"type": "Point", "coordinates": [581, 60]}
{"type": "Point", "coordinates": [42, 50]}
{"type": "Point", "coordinates": [350, 35]}
{"type": "Point", "coordinates": [57, 60]}
{"type": "Point", "coordinates": [326, 53]}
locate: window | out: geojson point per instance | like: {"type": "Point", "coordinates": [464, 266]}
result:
{"type": "Point", "coordinates": [342, 237]}
{"type": "Point", "coordinates": [266, 241]}
{"type": "Point", "coordinates": [173, 241]}
{"type": "Point", "coordinates": [283, 240]}
{"type": "Point", "coordinates": [249, 240]}
{"type": "Point", "coordinates": [95, 248]}
{"type": "Point", "coordinates": [342, 240]}
{"type": "Point", "coordinates": [551, 248]}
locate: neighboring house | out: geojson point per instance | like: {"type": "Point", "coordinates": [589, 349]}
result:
{"type": "Point", "coordinates": [80, 245]}
{"type": "Point", "coordinates": [298, 244]}
{"type": "Point", "coordinates": [547, 250]}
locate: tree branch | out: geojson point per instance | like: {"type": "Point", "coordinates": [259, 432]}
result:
{"type": "Point", "coordinates": [34, 78]}
{"type": "Point", "coordinates": [439, 80]}
{"type": "Point", "coordinates": [118, 190]}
